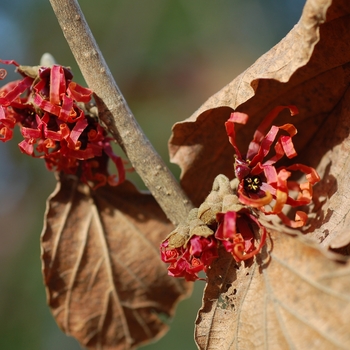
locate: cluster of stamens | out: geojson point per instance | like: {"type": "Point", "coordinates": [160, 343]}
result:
{"type": "Point", "coordinates": [252, 184]}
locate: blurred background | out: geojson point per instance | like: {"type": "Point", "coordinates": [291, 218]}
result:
{"type": "Point", "coordinates": [167, 57]}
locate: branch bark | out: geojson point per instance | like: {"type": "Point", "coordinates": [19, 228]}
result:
{"type": "Point", "coordinates": [116, 114]}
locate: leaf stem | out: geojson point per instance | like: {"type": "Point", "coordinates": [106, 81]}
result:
{"type": "Point", "coordinates": [116, 114]}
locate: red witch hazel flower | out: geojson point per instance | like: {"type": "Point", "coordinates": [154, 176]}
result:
{"type": "Point", "coordinates": [221, 220]}
{"type": "Point", "coordinates": [261, 184]}
{"type": "Point", "coordinates": [190, 248]}
{"type": "Point", "coordinates": [56, 122]}
{"type": "Point", "coordinates": [229, 216]}
{"type": "Point", "coordinates": [188, 261]}
{"type": "Point", "coordinates": [237, 235]}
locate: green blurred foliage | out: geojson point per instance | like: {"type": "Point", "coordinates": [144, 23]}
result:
{"type": "Point", "coordinates": [167, 57]}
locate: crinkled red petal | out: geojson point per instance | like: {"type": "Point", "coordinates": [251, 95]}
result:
{"type": "Point", "coordinates": [64, 131]}
{"type": "Point", "coordinates": [310, 173]}
{"type": "Point", "coordinates": [227, 228]}
{"type": "Point", "coordinates": [264, 145]}
{"type": "Point", "coordinates": [57, 84]}
{"type": "Point", "coordinates": [76, 154]}
{"type": "Point", "coordinates": [6, 119]}
{"type": "Point", "coordinates": [18, 88]}
{"type": "Point", "coordinates": [78, 128]}
{"type": "Point", "coordinates": [96, 135]}
{"type": "Point", "coordinates": [10, 62]}
{"type": "Point", "coordinates": [168, 255]}
{"type": "Point", "coordinates": [253, 202]}
{"type": "Point", "coordinates": [47, 106]}
{"type": "Point", "coordinates": [279, 153]}
{"type": "Point", "coordinates": [282, 191]}
{"type": "Point", "coordinates": [5, 133]}
{"type": "Point", "coordinates": [26, 147]}
{"type": "Point", "coordinates": [53, 135]}
{"type": "Point", "coordinates": [31, 133]}
{"type": "Point", "coordinates": [196, 246]}
{"type": "Point", "coordinates": [238, 238]}
{"type": "Point", "coordinates": [288, 147]}
{"type": "Point", "coordinates": [300, 219]}
{"type": "Point", "coordinates": [195, 266]}
{"type": "Point", "coordinates": [258, 150]}
{"type": "Point", "coordinates": [305, 191]}
{"type": "Point", "coordinates": [66, 108]}
{"type": "Point", "coordinates": [270, 174]}
{"type": "Point", "coordinates": [259, 133]}
{"type": "Point", "coordinates": [290, 128]}
{"type": "Point", "coordinates": [3, 73]}
{"type": "Point", "coordinates": [281, 194]}
{"type": "Point", "coordinates": [79, 93]}
{"type": "Point", "coordinates": [263, 234]}
{"type": "Point", "coordinates": [236, 117]}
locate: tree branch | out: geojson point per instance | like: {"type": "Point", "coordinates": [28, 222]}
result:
{"type": "Point", "coordinates": [116, 114]}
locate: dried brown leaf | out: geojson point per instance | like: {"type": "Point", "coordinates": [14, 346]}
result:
{"type": "Point", "coordinates": [309, 68]}
{"type": "Point", "coordinates": [294, 296]}
{"type": "Point", "coordinates": [105, 282]}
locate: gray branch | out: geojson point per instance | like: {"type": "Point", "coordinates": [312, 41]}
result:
{"type": "Point", "coordinates": [116, 114]}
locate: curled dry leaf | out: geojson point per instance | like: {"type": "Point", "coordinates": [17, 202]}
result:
{"type": "Point", "coordinates": [105, 282]}
{"type": "Point", "coordinates": [295, 296]}
{"type": "Point", "coordinates": [309, 68]}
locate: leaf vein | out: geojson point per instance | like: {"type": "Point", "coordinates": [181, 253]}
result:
{"type": "Point", "coordinates": [310, 281]}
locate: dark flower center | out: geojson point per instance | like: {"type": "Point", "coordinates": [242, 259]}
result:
{"type": "Point", "coordinates": [252, 184]}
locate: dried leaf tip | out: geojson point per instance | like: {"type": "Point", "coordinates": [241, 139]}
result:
{"type": "Point", "coordinates": [57, 123]}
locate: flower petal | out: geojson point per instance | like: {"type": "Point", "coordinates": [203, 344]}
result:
{"type": "Point", "coordinates": [47, 106]}
{"type": "Point", "coordinates": [3, 73]}
{"type": "Point", "coordinates": [288, 147]}
{"type": "Point", "coordinates": [78, 128]}
{"type": "Point", "coordinates": [57, 84]}
{"type": "Point", "coordinates": [79, 93]}
{"type": "Point", "coordinates": [253, 202]}
{"type": "Point", "coordinates": [311, 174]}
{"type": "Point", "coordinates": [227, 228]}
{"type": "Point", "coordinates": [235, 117]}
{"type": "Point", "coordinates": [300, 219]}
{"type": "Point", "coordinates": [5, 134]}
{"type": "Point", "coordinates": [10, 62]}
{"type": "Point", "coordinates": [258, 150]}
{"type": "Point", "coordinates": [17, 88]}
{"type": "Point", "coordinates": [66, 108]}
{"type": "Point", "coordinates": [26, 147]}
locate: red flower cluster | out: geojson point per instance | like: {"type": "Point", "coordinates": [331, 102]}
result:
{"type": "Point", "coordinates": [236, 233]}
{"type": "Point", "coordinates": [49, 108]}
{"type": "Point", "coordinates": [188, 261]}
{"type": "Point", "coordinates": [260, 182]}
{"type": "Point", "coordinates": [261, 186]}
